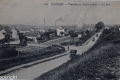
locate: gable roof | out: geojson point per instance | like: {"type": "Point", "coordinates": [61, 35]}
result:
{"type": "Point", "coordinates": [3, 30]}
{"type": "Point", "coordinates": [31, 34]}
{"type": "Point", "coordinates": [22, 29]}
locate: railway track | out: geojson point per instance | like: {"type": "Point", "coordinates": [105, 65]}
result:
{"type": "Point", "coordinates": [43, 45]}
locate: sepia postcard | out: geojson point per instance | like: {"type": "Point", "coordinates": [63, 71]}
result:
{"type": "Point", "coordinates": [59, 40]}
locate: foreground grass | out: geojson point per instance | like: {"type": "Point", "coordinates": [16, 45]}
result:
{"type": "Point", "coordinates": [98, 64]}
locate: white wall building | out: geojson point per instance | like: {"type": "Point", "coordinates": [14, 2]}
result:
{"type": "Point", "coordinates": [32, 35]}
{"type": "Point", "coordinates": [59, 30]}
{"type": "Point", "coordinates": [14, 34]}
{"type": "Point", "coordinates": [106, 27]}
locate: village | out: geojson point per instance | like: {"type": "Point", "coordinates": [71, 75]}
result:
{"type": "Point", "coordinates": [19, 34]}
{"type": "Point", "coordinates": [23, 35]}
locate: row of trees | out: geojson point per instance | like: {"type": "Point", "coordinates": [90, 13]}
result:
{"type": "Point", "coordinates": [100, 25]}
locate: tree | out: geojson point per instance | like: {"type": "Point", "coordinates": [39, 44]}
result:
{"type": "Point", "coordinates": [2, 41]}
{"type": "Point", "coordinates": [47, 34]}
{"type": "Point", "coordinates": [87, 32]}
{"type": "Point", "coordinates": [72, 35]}
{"type": "Point", "coordinates": [7, 38]}
{"type": "Point", "coordinates": [23, 40]}
{"type": "Point", "coordinates": [99, 26]}
{"type": "Point", "coordinates": [106, 31]}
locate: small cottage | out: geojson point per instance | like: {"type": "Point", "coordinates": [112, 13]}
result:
{"type": "Point", "coordinates": [23, 30]}
{"type": "Point", "coordinates": [32, 36]}
{"type": "Point", "coordinates": [61, 31]}
{"type": "Point", "coordinates": [14, 33]}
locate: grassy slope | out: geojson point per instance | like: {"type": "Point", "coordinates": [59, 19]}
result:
{"type": "Point", "coordinates": [102, 62]}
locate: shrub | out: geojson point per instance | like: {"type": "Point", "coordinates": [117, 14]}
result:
{"type": "Point", "coordinates": [8, 53]}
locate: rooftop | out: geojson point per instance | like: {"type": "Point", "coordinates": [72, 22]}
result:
{"type": "Point", "coordinates": [31, 34]}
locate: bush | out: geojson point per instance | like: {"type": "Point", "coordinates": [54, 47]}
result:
{"type": "Point", "coordinates": [8, 53]}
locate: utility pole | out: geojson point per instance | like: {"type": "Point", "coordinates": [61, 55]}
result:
{"type": "Point", "coordinates": [73, 32]}
{"type": "Point", "coordinates": [55, 23]}
{"type": "Point", "coordinates": [18, 53]}
{"type": "Point", "coordinates": [44, 22]}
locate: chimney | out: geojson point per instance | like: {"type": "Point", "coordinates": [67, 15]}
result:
{"type": "Point", "coordinates": [44, 22]}
{"type": "Point", "coordinates": [55, 23]}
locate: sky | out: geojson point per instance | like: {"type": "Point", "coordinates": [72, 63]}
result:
{"type": "Point", "coordinates": [33, 12]}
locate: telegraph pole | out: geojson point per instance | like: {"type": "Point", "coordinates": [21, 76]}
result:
{"type": "Point", "coordinates": [44, 22]}
{"type": "Point", "coordinates": [55, 23]}
{"type": "Point", "coordinates": [73, 31]}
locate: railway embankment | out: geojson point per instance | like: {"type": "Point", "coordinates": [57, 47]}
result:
{"type": "Point", "coordinates": [23, 58]}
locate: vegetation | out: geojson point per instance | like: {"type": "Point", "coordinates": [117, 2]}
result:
{"type": "Point", "coordinates": [85, 37]}
{"type": "Point", "coordinates": [27, 57]}
{"type": "Point", "coordinates": [99, 26]}
{"type": "Point", "coordinates": [7, 53]}
{"type": "Point", "coordinates": [99, 63]}
{"type": "Point", "coordinates": [78, 41]}
{"type": "Point", "coordinates": [23, 39]}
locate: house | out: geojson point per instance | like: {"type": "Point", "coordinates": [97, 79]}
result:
{"type": "Point", "coordinates": [31, 30]}
{"type": "Point", "coordinates": [39, 30]}
{"type": "Point", "coordinates": [106, 27]}
{"type": "Point", "coordinates": [23, 30]}
{"type": "Point", "coordinates": [14, 33]}
{"type": "Point", "coordinates": [32, 36]}
{"type": "Point", "coordinates": [61, 31]}
{"type": "Point", "coordinates": [42, 30]}
{"type": "Point", "coordinates": [1, 34]}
